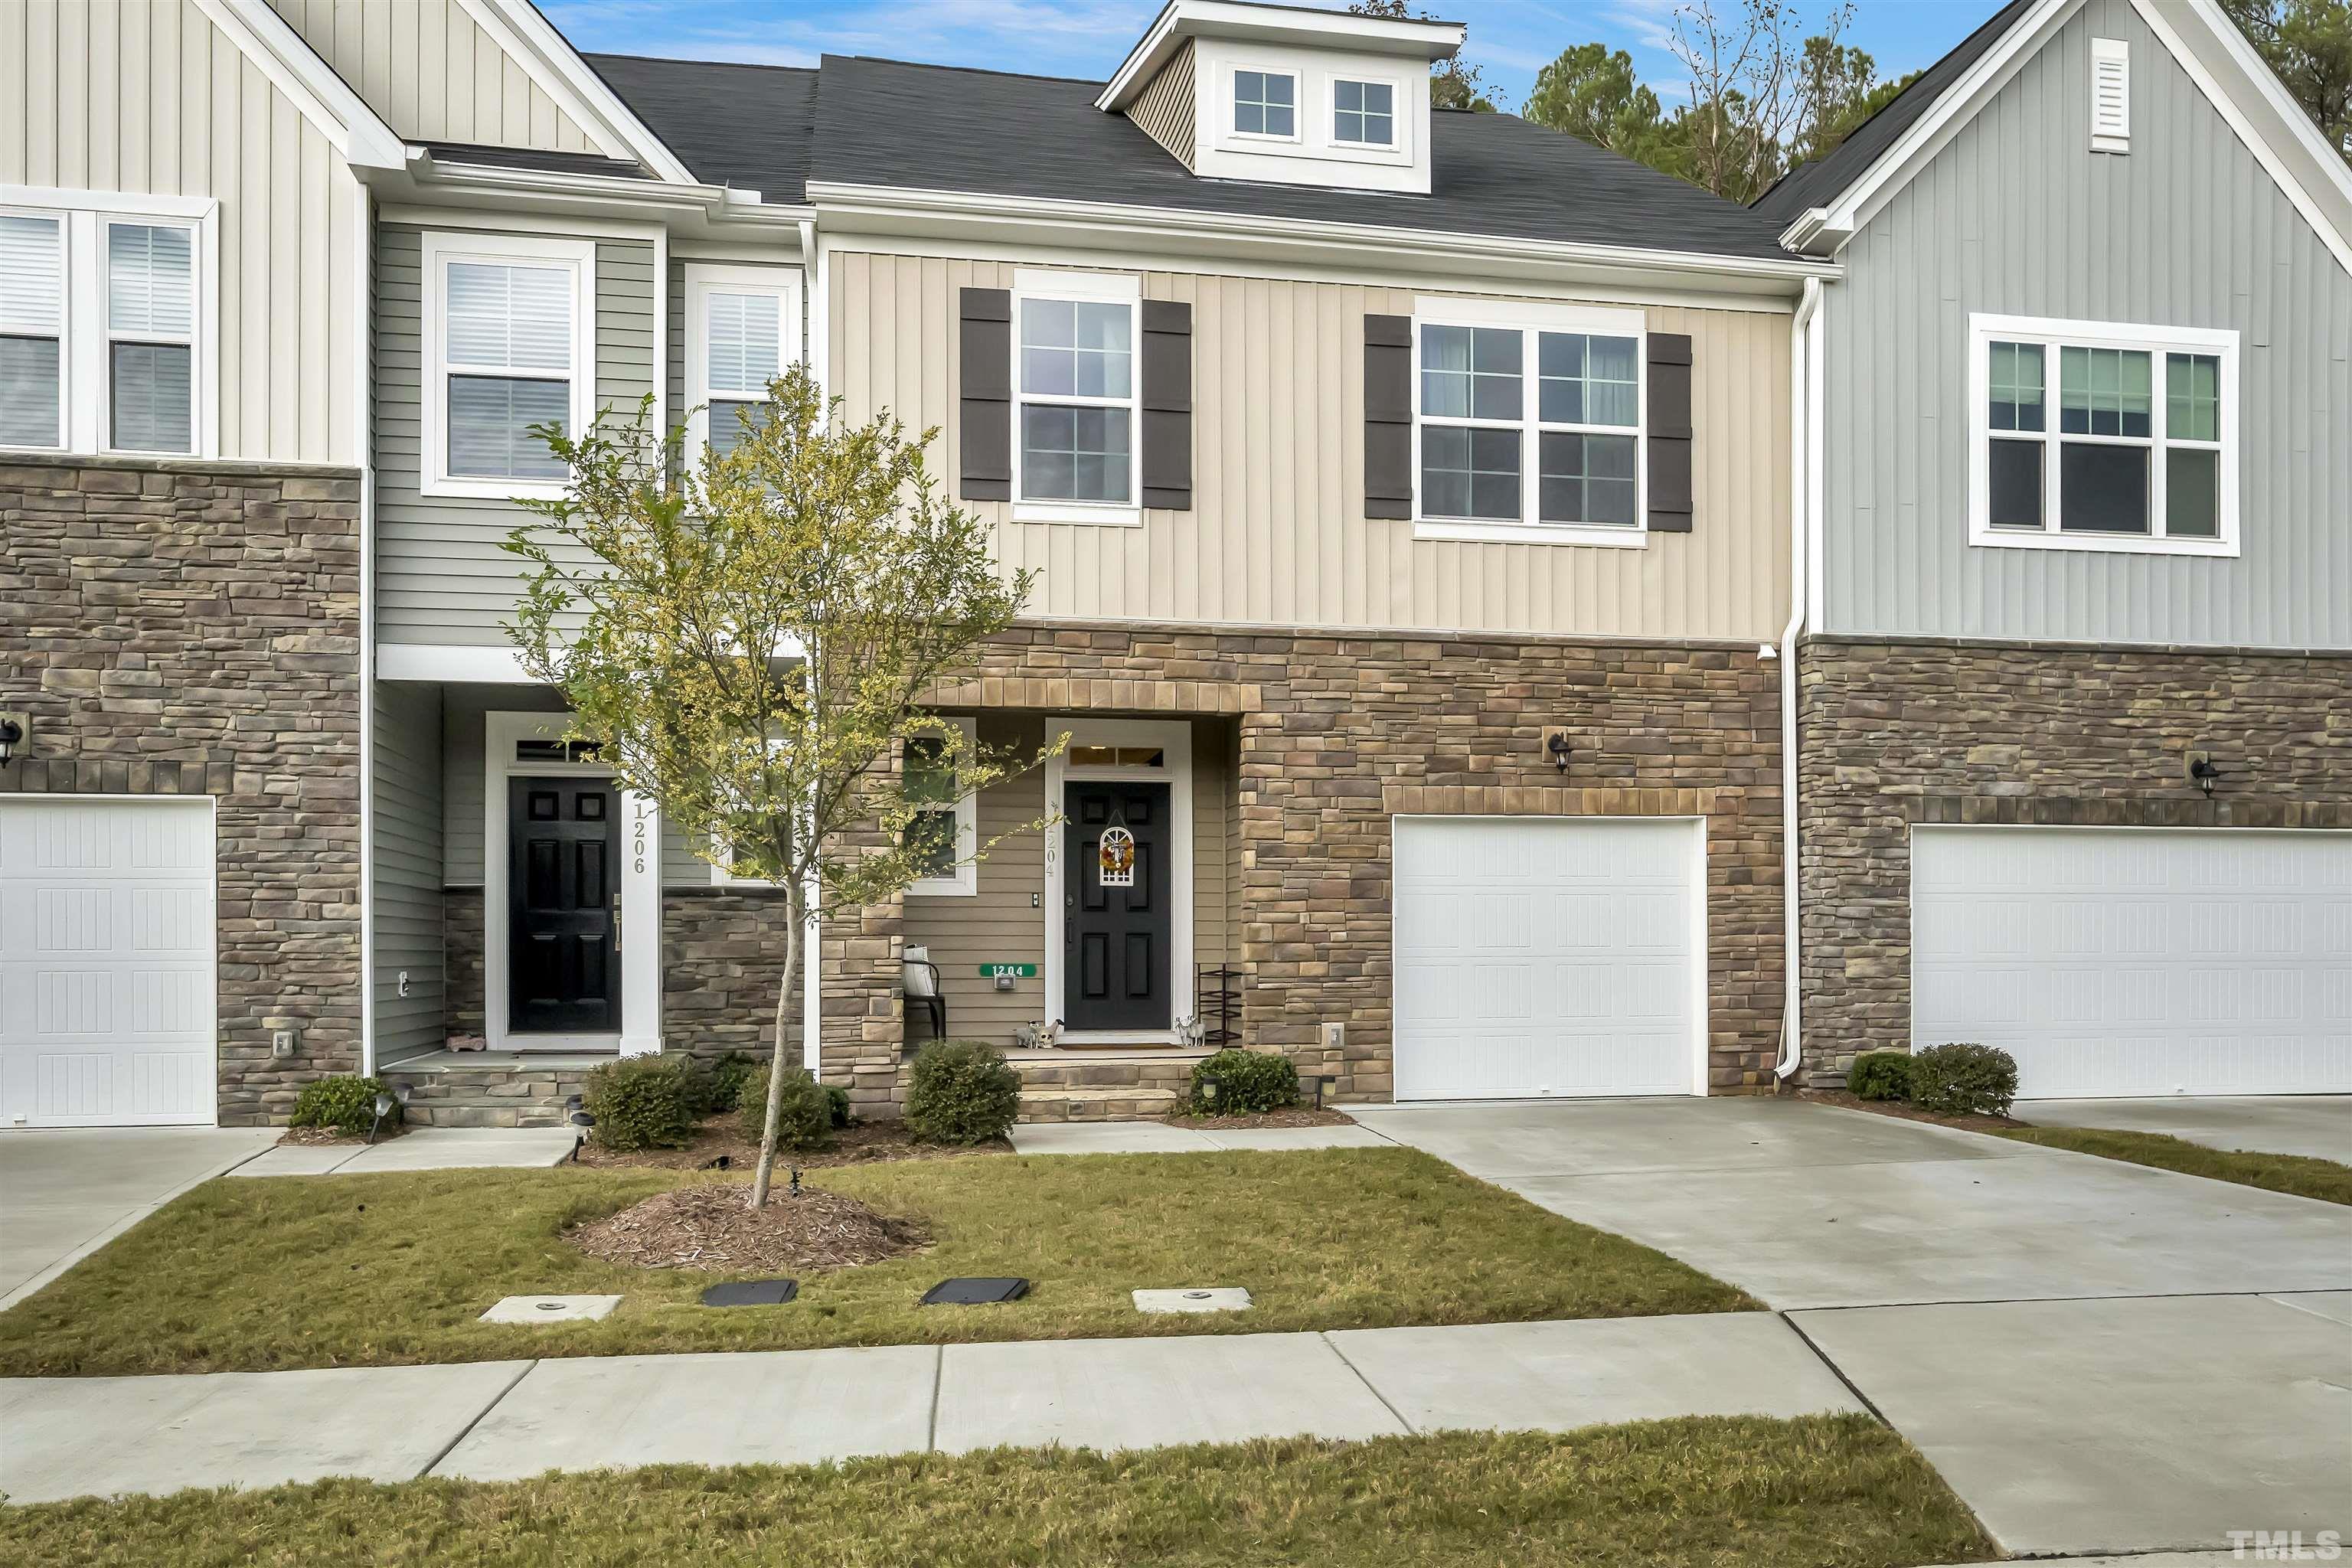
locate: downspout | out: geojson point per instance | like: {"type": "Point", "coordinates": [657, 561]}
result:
{"type": "Point", "coordinates": [1803, 382]}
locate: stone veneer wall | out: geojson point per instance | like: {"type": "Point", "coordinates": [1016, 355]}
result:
{"type": "Point", "coordinates": [1892, 733]}
{"type": "Point", "coordinates": [194, 628]}
{"type": "Point", "coordinates": [1339, 732]}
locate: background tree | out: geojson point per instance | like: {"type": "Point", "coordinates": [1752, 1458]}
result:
{"type": "Point", "coordinates": [1590, 93]}
{"type": "Point", "coordinates": [749, 646]}
{"type": "Point", "coordinates": [1752, 96]}
{"type": "Point", "coordinates": [2309, 44]}
{"type": "Point", "coordinates": [1453, 84]}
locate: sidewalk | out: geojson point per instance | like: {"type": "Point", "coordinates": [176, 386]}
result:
{"type": "Point", "coordinates": [502, 1420]}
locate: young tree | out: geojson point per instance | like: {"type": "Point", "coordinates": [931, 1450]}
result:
{"type": "Point", "coordinates": [749, 644]}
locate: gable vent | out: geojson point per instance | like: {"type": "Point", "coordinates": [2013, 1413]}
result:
{"type": "Point", "coordinates": [2110, 96]}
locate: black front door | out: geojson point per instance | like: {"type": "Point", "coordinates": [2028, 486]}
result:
{"type": "Point", "coordinates": [1116, 919]}
{"type": "Point", "coordinates": [563, 906]}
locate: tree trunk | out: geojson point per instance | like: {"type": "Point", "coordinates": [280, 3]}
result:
{"type": "Point", "coordinates": [796, 907]}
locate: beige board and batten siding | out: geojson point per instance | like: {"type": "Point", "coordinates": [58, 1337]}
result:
{"type": "Point", "coordinates": [442, 575]}
{"type": "Point", "coordinates": [430, 70]}
{"type": "Point", "coordinates": [153, 100]}
{"type": "Point", "coordinates": [1279, 535]}
{"type": "Point", "coordinates": [1165, 107]}
{"type": "Point", "coordinates": [999, 922]}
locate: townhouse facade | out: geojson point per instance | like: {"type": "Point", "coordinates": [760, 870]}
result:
{"type": "Point", "coordinates": [1432, 516]}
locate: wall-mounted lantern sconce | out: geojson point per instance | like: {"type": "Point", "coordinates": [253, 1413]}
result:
{"type": "Point", "coordinates": [1556, 747]}
{"type": "Point", "coordinates": [12, 732]}
{"type": "Point", "coordinates": [2202, 768]}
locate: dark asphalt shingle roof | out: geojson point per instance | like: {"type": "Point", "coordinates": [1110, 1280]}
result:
{"type": "Point", "coordinates": [859, 121]}
{"type": "Point", "coordinates": [746, 126]}
{"type": "Point", "coordinates": [1822, 181]}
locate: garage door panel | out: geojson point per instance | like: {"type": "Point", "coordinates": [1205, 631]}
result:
{"type": "Point", "coordinates": [2160, 961]}
{"type": "Point", "coordinates": [1544, 957]}
{"type": "Point", "coordinates": [107, 1012]}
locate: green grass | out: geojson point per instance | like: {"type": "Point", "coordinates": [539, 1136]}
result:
{"type": "Point", "coordinates": [303, 1271]}
{"type": "Point", "coordinates": [2299, 1174]}
{"type": "Point", "coordinates": [1700, 1492]}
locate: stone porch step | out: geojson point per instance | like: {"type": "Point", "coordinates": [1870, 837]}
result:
{"type": "Point", "coordinates": [1106, 1085]}
{"type": "Point", "coordinates": [1098, 1104]}
{"type": "Point", "coordinates": [491, 1088]}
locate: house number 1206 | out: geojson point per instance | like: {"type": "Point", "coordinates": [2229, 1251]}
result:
{"type": "Point", "coordinates": [637, 845]}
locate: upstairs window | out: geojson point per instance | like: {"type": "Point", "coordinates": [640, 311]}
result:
{"type": "Point", "coordinates": [1266, 103]}
{"type": "Point", "coordinates": [1528, 431]}
{"type": "Point", "coordinates": [1363, 113]}
{"type": "Point", "coordinates": [1076, 386]}
{"type": "Point", "coordinates": [105, 322]}
{"type": "Point", "coordinates": [742, 330]}
{"type": "Point", "coordinates": [2089, 436]}
{"type": "Point", "coordinates": [511, 347]}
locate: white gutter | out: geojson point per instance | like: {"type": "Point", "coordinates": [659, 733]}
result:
{"type": "Point", "coordinates": [1804, 409]}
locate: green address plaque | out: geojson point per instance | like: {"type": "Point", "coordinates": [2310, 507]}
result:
{"type": "Point", "coordinates": [1018, 970]}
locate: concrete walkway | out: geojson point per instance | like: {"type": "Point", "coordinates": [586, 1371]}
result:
{"type": "Point", "coordinates": [502, 1420]}
{"type": "Point", "coordinates": [65, 1191]}
{"type": "Point", "coordinates": [2099, 1357]}
{"type": "Point", "coordinates": [423, 1149]}
{"type": "Point", "coordinates": [1161, 1137]}
{"type": "Point", "coordinates": [2317, 1125]}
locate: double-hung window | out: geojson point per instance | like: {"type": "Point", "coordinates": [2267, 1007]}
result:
{"type": "Point", "coordinates": [105, 324]}
{"type": "Point", "coordinates": [2090, 435]}
{"type": "Point", "coordinates": [1075, 385]}
{"type": "Point", "coordinates": [944, 831]}
{"type": "Point", "coordinates": [1266, 103]}
{"type": "Point", "coordinates": [743, 328]}
{"type": "Point", "coordinates": [509, 348]}
{"type": "Point", "coordinates": [1528, 423]}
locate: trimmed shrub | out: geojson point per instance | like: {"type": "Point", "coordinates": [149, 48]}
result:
{"type": "Point", "coordinates": [836, 1099]}
{"type": "Point", "coordinates": [343, 1103]}
{"type": "Point", "coordinates": [723, 1082]}
{"type": "Point", "coordinates": [643, 1102]}
{"type": "Point", "coordinates": [1880, 1074]}
{"type": "Point", "coordinates": [1247, 1081]}
{"type": "Point", "coordinates": [1964, 1079]}
{"type": "Point", "coordinates": [962, 1091]}
{"type": "Point", "coordinates": [803, 1120]}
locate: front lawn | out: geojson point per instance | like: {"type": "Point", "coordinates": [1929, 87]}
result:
{"type": "Point", "coordinates": [297, 1271]}
{"type": "Point", "coordinates": [2299, 1174]}
{"type": "Point", "coordinates": [1700, 1492]}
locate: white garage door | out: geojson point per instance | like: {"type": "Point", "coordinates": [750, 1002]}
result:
{"type": "Point", "coordinates": [2138, 962]}
{"type": "Point", "coordinates": [106, 962]}
{"type": "Point", "coordinates": [1547, 957]}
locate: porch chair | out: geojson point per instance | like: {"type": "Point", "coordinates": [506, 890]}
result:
{"type": "Point", "coordinates": [919, 978]}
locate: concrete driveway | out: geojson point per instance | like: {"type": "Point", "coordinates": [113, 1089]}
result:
{"type": "Point", "coordinates": [2098, 1356]}
{"type": "Point", "coordinates": [2318, 1125]}
{"type": "Point", "coordinates": [65, 1192]}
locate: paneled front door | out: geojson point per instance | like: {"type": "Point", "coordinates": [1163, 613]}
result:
{"type": "Point", "coordinates": [1118, 920]}
{"type": "Point", "coordinates": [563, 904]}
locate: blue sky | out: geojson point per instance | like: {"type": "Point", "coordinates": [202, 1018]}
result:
{"type": "Point", "coordinates": [1509, 38]}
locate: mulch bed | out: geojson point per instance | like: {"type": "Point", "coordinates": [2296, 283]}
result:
{"type": "Point", "coordinates": [1296, 1116]}
{"type": "Point", "coordinates": [317, 1135]}
{"type": "Point", "coordinates": [1910, 1112]}
{"type": "Point", "coordinates": [712, 1229]}
{"type": "Point", "coordinates": [722, 1137]}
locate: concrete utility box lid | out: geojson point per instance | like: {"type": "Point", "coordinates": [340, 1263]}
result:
{"type": "Point", "coordinates": [550, 1308]}
{"type": "Point", "coordinates": [1213, 1298]}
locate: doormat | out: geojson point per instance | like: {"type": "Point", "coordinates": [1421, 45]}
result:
{"type": "Point", "coordinates": [973, 1292]}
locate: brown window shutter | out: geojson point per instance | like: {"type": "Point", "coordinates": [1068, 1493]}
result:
{"type": "Point", "coordinates": [1388, 417]}
{"type": "Point", "coordinates": [984, 426]}
{"type": "Point", "coordinates": [1670, 432]}
{"type": "Point", "coordinates": [1167, 405]}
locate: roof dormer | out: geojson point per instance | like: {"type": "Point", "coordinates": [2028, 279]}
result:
{"type": "Point", "coordinates": [1238, 90]}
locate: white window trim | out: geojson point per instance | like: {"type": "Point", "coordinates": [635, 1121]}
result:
{"type": "Point", "coordinates": [2051, 336]}
{"type": "Point", "coordinates": [965, 882]}
{"type": "Point", "coordinates": [1030, 284]}
{"type": "Point", "coordinates": [1530, 320]}
{"type": "Point", "coordinates": [83, 217]}
{"type": "Point", "coordinates": [1232, 103]}
{"type": "Point", "coordinates": [704, 280]}
{"type": "Point", "coordinates": [1398, 148]}
{"type": "Point", "coordinates": [441, 249]}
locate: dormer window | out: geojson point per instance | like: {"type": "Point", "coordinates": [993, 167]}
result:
{"type": "Point", "coordinates": [1363, 113]}
{"type": "Point", "coordinates": [1266, 103]}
